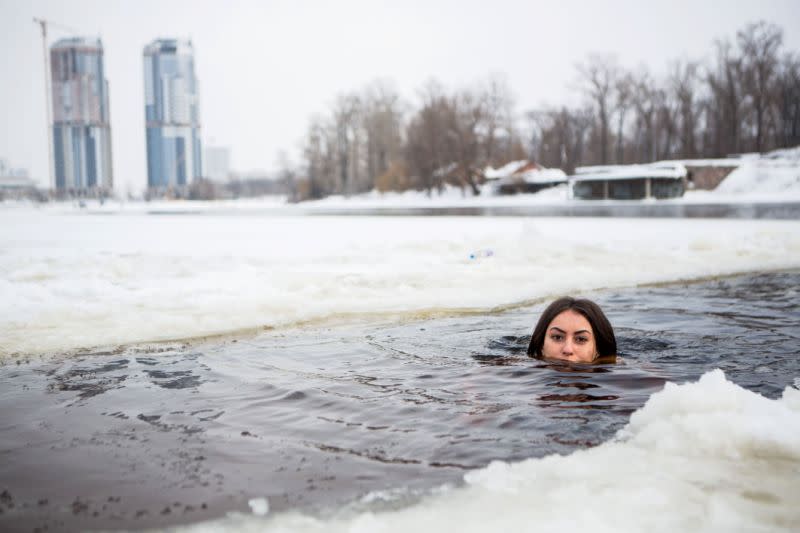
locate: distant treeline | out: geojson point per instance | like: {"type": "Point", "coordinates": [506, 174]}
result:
{"type": "Point", "coordinates": [747, 99]}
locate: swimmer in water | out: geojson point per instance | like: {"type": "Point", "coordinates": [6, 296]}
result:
{"type": "Point", "coordinates": [574, 330]}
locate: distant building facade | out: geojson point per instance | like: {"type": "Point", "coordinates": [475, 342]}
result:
{"type": "Point", "coordinates": [217, 163]}
{"type": "Point", "coordinates": [660, 180]}
{"type": "Point", "coordinates": [523, 177]}
{"type": "Point", "coordinates": [172, 115]}
{"type": "Point", "coordinates": [16, 185]}
{"type": "Point", "coordinates": [81, 120]}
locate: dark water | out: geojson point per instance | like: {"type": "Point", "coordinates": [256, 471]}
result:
{"type": "Point", "coordinates": [316, 417]}
{"type": "Point", "coordinates": [665, 209]}
{"type": "Point", "coordinates": [661, 209]}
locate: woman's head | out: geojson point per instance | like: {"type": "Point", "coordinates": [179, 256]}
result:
{"type": "Point", "coordinates": [574, 330]}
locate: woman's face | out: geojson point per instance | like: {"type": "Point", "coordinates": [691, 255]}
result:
{"type": "Point", "coordinates": [569, 336]}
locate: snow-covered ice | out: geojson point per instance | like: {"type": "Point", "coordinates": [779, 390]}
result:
{"type": "Point", "coordinates": [71, 281]}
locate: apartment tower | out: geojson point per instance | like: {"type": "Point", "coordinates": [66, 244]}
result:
{"type": "Point", "coordinates": [172, 115]}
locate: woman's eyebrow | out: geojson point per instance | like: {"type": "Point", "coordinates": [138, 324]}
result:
{"type": "Point", "coordinates": [562, 331]}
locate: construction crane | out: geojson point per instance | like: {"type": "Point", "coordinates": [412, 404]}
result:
{"type": "Point", "coordinates": [47, 92]}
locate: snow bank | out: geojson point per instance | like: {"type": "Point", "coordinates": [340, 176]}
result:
{"type": "Point", "coordinates": [704, 456]}
{"type": "Point", "coordinates": [71, 282]}
{"type": "Point", "coordinates": [779, 177]}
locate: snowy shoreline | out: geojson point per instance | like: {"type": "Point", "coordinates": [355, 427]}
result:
{"type": "Point", "coordinates": [553, 201]}
{"type": "Point", "coordinates": [773, 178]}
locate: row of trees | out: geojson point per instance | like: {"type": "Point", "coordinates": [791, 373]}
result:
{"type": "Point", "coordinates": [746, 99]}
{"type": "Point", "coordinates": [373, 139]}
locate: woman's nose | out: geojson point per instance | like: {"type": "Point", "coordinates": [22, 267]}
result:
{"type": "Point", "coordinates": [567, 346]}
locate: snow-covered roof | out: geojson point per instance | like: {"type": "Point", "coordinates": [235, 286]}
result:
{"type": "Point", "coordinates": [664, 169]}
{"type": "Point", "coordinates": [594, 169]}
{"type": "Point", "coordinates": [504, 171]}
{"type": "Point", "coordinates": [721, 162]}
{"type": "Point", "coordinates": [543, 175]}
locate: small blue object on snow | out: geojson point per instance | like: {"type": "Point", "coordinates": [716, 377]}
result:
{"type": "Point", "coordinates": [481, 253]}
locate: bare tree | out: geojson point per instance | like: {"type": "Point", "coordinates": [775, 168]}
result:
{"type": "Point", "coordinates": [426, 136]}
{"type": "Point", "coordinates": [725, 100]}
{"type": "Point", "coordinates": [537, 122]}
{"type": "Point", "coordinates": [466, 117]}
{"type": "Point", "coordinates": [666, 125]}
{"type": "Point", "coordinates": [287, 175]}
{"type": "Point", "coordinates": [683, 81]}
{"type": "Point", "coordinates": [345, 112]}
{"type": "Point", "coordinates": [560, 135]}
{"type": "Point", "coordinates": [382, 121]}
{"type": "Point", "coordinates": [646, 99]}
{"type": "Point", "coordinates": [788, 102]}
{"type": "Point", "coordinates": [623, 92]}
{"type": "Point", "coordinates": [320, 157]}
{"type": "Point", "coordinates": [498, 128]}
{"type": "Point", "coordinates": [759, 44]}
{"type": "Point", "coordinates": [598, 76]}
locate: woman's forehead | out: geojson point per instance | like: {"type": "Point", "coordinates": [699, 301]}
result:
{"type": "Point", "coordinates": [570, 319]}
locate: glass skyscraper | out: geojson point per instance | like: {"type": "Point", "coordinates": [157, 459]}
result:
{"type": "Point", "coordinates": [81, 125]}
{"type": "Point", "coordinates": [172, 115]}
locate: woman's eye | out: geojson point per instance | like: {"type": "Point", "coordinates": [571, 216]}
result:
{"type": "Point", "coordinates": [582, 340]}
{"type": "Point", "coordinates": [557, 338]}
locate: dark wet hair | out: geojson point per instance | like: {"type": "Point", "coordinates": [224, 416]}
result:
{"type": "Point", "coordinates": [601, 328]}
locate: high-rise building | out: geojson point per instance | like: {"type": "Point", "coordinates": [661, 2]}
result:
{"type": "Point", "coordinates": [172, 114]}
{"type": "Point", "coordinates": [81, 125]}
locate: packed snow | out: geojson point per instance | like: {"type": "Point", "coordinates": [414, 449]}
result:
{"type": "Point", "coordinates": [71, 281]}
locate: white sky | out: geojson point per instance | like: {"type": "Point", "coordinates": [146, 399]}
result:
{"type": "Point", "coordinates": [265, 67]}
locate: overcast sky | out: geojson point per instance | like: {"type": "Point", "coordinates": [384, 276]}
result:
{"type": "Point", "coordinates": [265, 67]}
